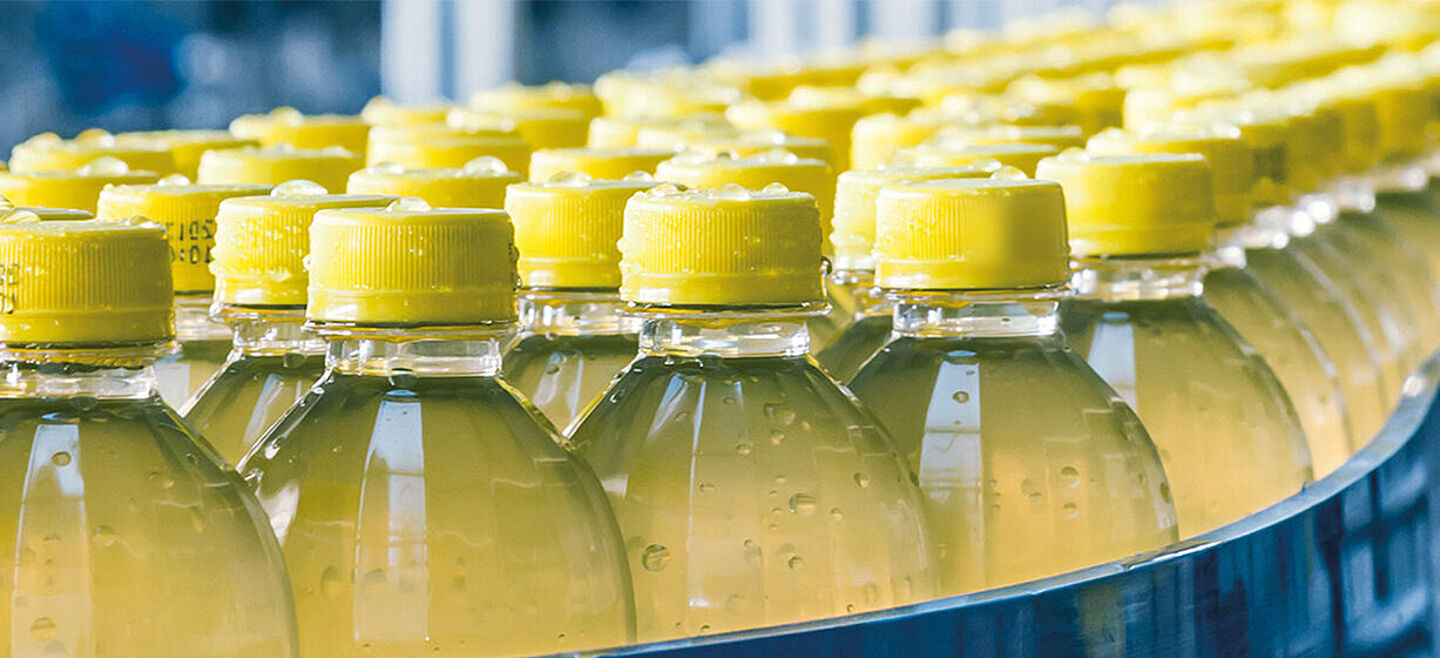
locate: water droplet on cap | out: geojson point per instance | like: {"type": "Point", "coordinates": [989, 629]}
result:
{"type": "Point", "coordinates": [298, 187]}
{"type": "Point", "coordinates": [1009, 173]}
{"type": "Point", "coordinates": [730, 192]}
{"type": "Point", "coordinates": [486, 164]}
{"type": "Point", "coordinates": [776, 188]}
{"type": "Point", "coordinates": [18, 217]}
{"type": "Point", "coordinates": [287, 114]}
{"type": "Point", "coordinates": [638, 176]}
{"type": "Point", "coordinates": [570, 179]}
{"type": "Point", "coordinates": [96, 136]}
{"type": "Point", "coordinates": [104, 166]}
{"type": "Point", "coordinates": [173, 180]}
{"type": "Point", "coordinates": [408, 204]}
{"type": "Point", "coordinates": [386, 167]}
{"type": "Point", "coordinates": [777, 156]}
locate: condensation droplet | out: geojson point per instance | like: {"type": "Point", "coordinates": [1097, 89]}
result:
{"type": "Point", "coordinates": [655, 557]}
{"type": "Point", "coordinates": [961, 396]}
{"type": "Point", "coordinates": [60, 459]}
{"type": "Point", "coordinates": [802, 504]}
{"type": "Point", "coordinates": [862, 480]}
{"type": "Point", "coordinates": [743, 447]}
{"type": "Point", "coordinates": [1069, 476]}
{"type": "Point", "coordinates": [409, 204]}
{"type": "Point", "coordinates": [1071, 510]}
{"type": "Point", "coordinates": [298, 187]}
{"type": "Point", "coordinates": [42, 629]}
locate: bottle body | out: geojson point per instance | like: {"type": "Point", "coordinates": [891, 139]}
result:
{"type": "Point", "coordinates": [570, 348]}
{"type": "Point", "coordinates": [1019, 448]}
{"type": "Point", "coordinates": [867, 332]}
{"type": "Point", "coordinates": [1369, 242]}
{"type": "Point", "coordinates": [131, 536]}
{"type": "Point", "coordinates": [432, 510]}
{"type": "Point", "coordinates": [726, 450]}
{"type": "Point", "coordinates": [1228, 436]}
{"type": "Point", "coordinates": [271, 366]}
{"type": "Point", "coordinates": [204, 345]}
{"type": "Point", "coordinates": [1304, 369]}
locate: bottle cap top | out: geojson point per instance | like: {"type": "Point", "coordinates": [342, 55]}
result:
{"type": "Point", "coordinates": [1230, 161]}
{"type": "Point", "coordinates": [606, 163]}
{"type": "Point", "coordinates": [286, 125]}
{"type": "Point", "coordinates": [1020, 156]}
{"type": "Point", "coordinates": [47, 152]}
{"type": "Point", "coordinates": [480, 183]}
{"type": "Point", "coordinates": [702, 170]}
{"type": "Point", "coordinates": [430, 146]}
{"type": "Point", "coordinates": [567, 229]}
{"type": "Point", "coordinates": [1120, 205]}
{"type": "Point", "coordinates": [329, 167]}
{"type": "Point", "coordinates": [79, 189]}
{"type": "Point", "coordinates": [186, 146]}
{"type": "Point", "coordinates": [855, 191]}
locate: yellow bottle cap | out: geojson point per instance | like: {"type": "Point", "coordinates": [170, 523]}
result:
{"type": "Point", "coordinates": [1123, 205]}
{"type": "Point", "coordinates": [407, 264]}
{"type": "Point", "coordinates": [79, 189]}
{"type": "Point", "coordinates": [381, 111]}
{"type": "Point", "coordinates": [722, 247]}
{"type": "Point", "coordinates": [187, 212]}
{"type": "Point", "coordinates": [596, 163]}
{"type": "Point", "coordinates": [1098, 102]}
{"type": "Point", "coordinates": [855, 192]}
{"type": "Point", "coordinates": [511, 98]}
{"type": "Point", "coordinates": [261, 242]}
{"type": "Point", "coordinates": [47, 152]}
{"type": "Point", "coordinates": [1268, 136]}
{"type": "Point", "coordinates": [186, 146]}
{"type": "Point", "coordinates": [45, 214]}
{"type": "Point", "coordinates": [84, 282]}
{"type": "Point", "coordinates": [702, 170]}
{"type": "Point", "coordinates": [1020, 156]}
{"type": "Point", "coordinates": [567, 229]}
{"type": "Point", "coordinates": [804, 114]}
{"type": "Point", "coordinates": [480, 183]}
{"type": "Point", "coordinates": [971, 234]}
{"type": "Point", "coordinates": [1402, 110]}
{"type": "Point", "coordinates": [1231, 164]}
{"type": "Point", "coordinates": [329, 167]}
{"type": "Point", "coordinates": [441, 146]}
{"type": "Point", "coordinates": [541, 128]}
{"type": "Point", "coordinates": [665, 131]}
{"type": "Point", "coordinates": [876, 138]}
{"type": "Point", "coordinates": [752, 143]}
{"type": "Point", "coordinates": [1060, 137]}
{"type": "Point", "coordinates": [286, 125]}
{"type": "Point", "coordinates": [1361, 124]}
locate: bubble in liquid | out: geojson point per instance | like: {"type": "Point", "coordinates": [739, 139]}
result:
{"type": "Point", "coordinates": [1165, 491]}
{"type": "Point", "coordinates": [706, 487]}
{"type": "Point", "coordinates": [836, 514]}
{"type": "Point", "coordinates": [655, 557]}
{"type": "Point", "coordinates": [802, 504]}
{"type": "Point", "coordinates": [43, 629]}
{"type": "Point", "coordinates": [408, 204]}
{"type": "Point", "coordinates": [298, 187]}
{"type": "Point", "coordinates": [704, 628]}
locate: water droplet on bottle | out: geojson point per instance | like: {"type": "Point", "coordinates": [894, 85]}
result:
{"type": "Point", "coordinates": [1165, 491]}
{"type": "Point", "coordinates": [1069, 476]}
{"type": "Point", "coordinates": [706, 487]}
{"type": "Point", "coordinates": [1071, 510]}
{"type": "Point", "coordinates": [802, 504]}
{"type": "Point", "coordinates": [704, 628]}
{"type": "Point", "coordinates": [60, 459]}
{"type": "Point", "coordinates": [836, 514]}
{"type": "Point", "coordinates": [655, 557]}
{"type": "Point", "coordinates": [862, 480]}
{"type": "Point", "coordinates": [961, 396]}
{"type": "Point", "coordinates": [795, 563]}
{"type": "Point", "coordinates": [42, 629]}
{"type": "Point", "coordinates": [331, 582]}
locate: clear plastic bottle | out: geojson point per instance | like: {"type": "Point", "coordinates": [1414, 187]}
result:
{"type": "Point", "coordinates": [260, 280]}
{"type": "Point", "coordinates": [751, 489]}
{"type": "Point", "coordinates": [572, 340]}
{"type": "Point", "coordinates": [131, 537]}
{"type": "Point", "coordinates": [1309, 376]}
{"type": "Point", "coordinates": [1228, 436]}
{"type": "Point", "coordinates": [188, 214]}
{"type": "Point", "coordinates": [854, 270]}
{"type": "Point", "coordinates": [423, 505]}
{"type": "Point", "coordinates": [1019, 446]}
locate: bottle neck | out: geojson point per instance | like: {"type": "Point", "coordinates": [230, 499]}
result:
{"type": "Point", "coordinates": [122, 372]}
{"type": "Point", "coordinates": [865, 298]}
{"type": "Point", "coordinates": [269, 331]}
{"type": "Point", "coordinates": [725, 333]}
{"type": "Point", "coordinates": [574, 313]}
{"type": "Point", "coordinates": [193, 320]}
{"type": "Point", "coordinates": [977, 314]}
{"type": "Point", "coordinates": [1135, 278]}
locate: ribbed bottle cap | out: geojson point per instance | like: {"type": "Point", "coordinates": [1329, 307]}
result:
{"type": "Point", "coordinates": [1020, 156]}
{"type": "Point", "coordinates": [612, 163]}
{"type": "Point", "coordinates": [186, 146]}
{"type": "Point", "coordinates": [855, 191]}
{"type": "Point", "coordinates": [381, 111]}
{"type": "Point", "coordinates": [971, 234]}
{"type": "Point", "coordinates": [1230, 162]}
{"type": "Point", "coordinates": [702, 170]}
{"type": "Point", "coordinates": [877, 137]}
{"type": "Point", "coordinates": [755, 142]}
{"type": "Point", "coordinates": [78, 189]}
{"type": "Point", "coordinates": [1060, 137]}
{"type": "Point", "coordinates": [187, 212]}
{"type": "Point", "coordinates": [1135, 204]}
{"type": "Point", "coordinates": [1361, 124]}
{"type": "Point", "coordinates": [1268, 137]}
{"type": "Point", "coordinates": [47, 152]}
{"type": "Point", "coordinates": [286, 125]}
{"type": "Point", "coordinates": [543, 128]}
{"type": "Point", "coordinates": [804, 115]}
{"type": "Point", "coordinates": [261, 242]}
{"type": "Point", "coordinates": [480, 183]}
{"type": "Point", "coordinates": [567, 229]}
{"type": "Point", "coordinates": [409, 265]}
{"type": "Point", "coordinates": [512, 97]}
{"type": "Point", "coordinates": [722, 247]}
{"type": "Point", "coordinates": [1402, 110]}
{"type": "Point", "coordinates": [329, 167]}
{"type": "Point", "coordinates": [84, 282]}
{"type": "Point", "coordinates": [430, 146]}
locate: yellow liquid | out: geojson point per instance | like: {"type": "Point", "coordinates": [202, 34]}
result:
{"type": "Point", "coordinates": [1414, 217]}
{"type": "Point", "coordinates": [561, 375]}
{"type": "Point", "coordinates": [1370, 242]}
{"type": "Point", "coordinates": [128, 538]}
{"type": "Point", "coordinates": [247, 396]}
{"type": "Point", "coordinates": [752, 492]}
{"type": "Point", "coordinates": [1363, 368]}
{"type": "Point", "coordinates": [1227, 435]}
{"type": "Point", "coordinates": [438, 516]}
{"type": "Point", "coordinates": [1293, 353]}
{"type": "Point", "coordinates": [180, 375]}
{"type": "Point", "coordinates": [1030, 464]}
{"type": "Point", "coordinates": [1382, 313]}
{"type": "Point", "coordinates": [860, 341]}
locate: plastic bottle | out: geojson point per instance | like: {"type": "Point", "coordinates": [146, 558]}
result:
{"type": "Point", "coordinates": [751, 489]}
{"type": "Point", "coordinates": [1228, 436]}
{"type": "Point", "coordinates": [187, 212]}
{"type": "Point", "coordinates": [260, 280]}
{"type": "Point", "coordinates": [1031, 465]}
{"type": "Point", "coordinates": [131, 537]}
{"type": "Point", "coordinates": [423, 505]}
{"type": "Point", "coordinates": [572, 340]}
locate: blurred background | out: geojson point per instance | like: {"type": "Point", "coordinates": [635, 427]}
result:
{"type": "Point", "coordinates": [147, 64]}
